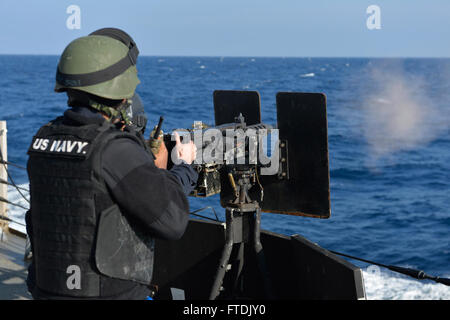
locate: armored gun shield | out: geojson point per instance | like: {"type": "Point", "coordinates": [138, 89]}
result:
{"type": "Point", "coordinates": [302, 185]}
{"type": "Point", "coordinates": [228, 104]}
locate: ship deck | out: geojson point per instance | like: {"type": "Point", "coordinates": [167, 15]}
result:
{"type": "Point", "coordinates": [13, 269]}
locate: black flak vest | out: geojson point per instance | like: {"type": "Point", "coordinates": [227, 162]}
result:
{"type": "Point", "coordinates": [79, 235]}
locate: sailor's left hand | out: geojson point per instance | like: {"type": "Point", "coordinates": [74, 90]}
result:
{"type": "Point", "coordinates": [162, 156]}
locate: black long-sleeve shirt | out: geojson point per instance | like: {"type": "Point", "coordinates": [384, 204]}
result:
{"type": "Point", "coordinates": [153, 196]}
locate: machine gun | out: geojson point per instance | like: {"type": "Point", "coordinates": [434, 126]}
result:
{"type": "Point", "coordinates": [299, 185]}
{"type": "Point", "coordinates": [223, 148]}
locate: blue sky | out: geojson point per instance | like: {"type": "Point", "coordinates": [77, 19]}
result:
{"type": "Point", "coordinates": [324, 28]}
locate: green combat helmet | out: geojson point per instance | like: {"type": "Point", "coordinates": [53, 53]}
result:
{"type": "Point", "coordinates": [99, 64]}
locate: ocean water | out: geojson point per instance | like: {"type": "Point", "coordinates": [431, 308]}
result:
{"type": "Point", "coordinates": [389, 146]}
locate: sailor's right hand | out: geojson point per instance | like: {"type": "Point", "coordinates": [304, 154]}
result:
{"type": "Point", "coordinates": [185, 151]}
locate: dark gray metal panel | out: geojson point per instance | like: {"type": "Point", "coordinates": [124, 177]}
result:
{"type": "Point", "coordinates": [229, 103]}
{"type": "Point", "coordinates": [280, 265]}
{"type": "Point", "coordinates": [299, 269]}
{"type": "Point", "coordinates": [322, 275]}
{"type": "Point", "coordinates": [189, 263]}
{"type": "Point", "coordinates": [302, 121]}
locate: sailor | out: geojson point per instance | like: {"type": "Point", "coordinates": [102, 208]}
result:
{"type": "Point", "coordinates": [98, 199]}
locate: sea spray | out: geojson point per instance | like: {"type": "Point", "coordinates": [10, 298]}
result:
{"type": "Point", "coordinates": [382, 284]}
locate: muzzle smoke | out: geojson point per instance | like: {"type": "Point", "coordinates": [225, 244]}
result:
{"type": "Point", "coordinates": [399, 115]}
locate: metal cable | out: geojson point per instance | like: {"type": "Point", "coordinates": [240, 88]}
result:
{"type": "Point", "coordinates": [10, 184]}
{"type": "Point", "coordinates": [12, 164]}
{"type": "Point", "coordinates": [10, 177]}
{"type": "Point", "coordinates": [417, 274]}
{"type": "Point", "coordinates": [194, 213]}
{"type": "Point", "coordinates": [12, 203]}
{"type": "Point", "coordinates": [11, 220]}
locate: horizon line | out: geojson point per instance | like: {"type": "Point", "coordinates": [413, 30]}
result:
{"type": "Point", "coordinates": [243, 56]}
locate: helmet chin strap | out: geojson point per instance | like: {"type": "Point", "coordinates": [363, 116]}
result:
{"type": "Point", "coordinates": [115, 115]}
{"type": "Point", "coordinates": [123, 112]}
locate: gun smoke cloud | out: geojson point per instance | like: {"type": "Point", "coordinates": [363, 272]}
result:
{"type": "Point", "coordinates": [399, 114]}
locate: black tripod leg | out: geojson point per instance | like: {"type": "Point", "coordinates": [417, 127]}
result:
{"type": "Point", "coordinates": [238, 280]}
{"type": "Point", "coordinates": [226, 253]}
{"type": "Point", "coordinates": [260, 255]}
